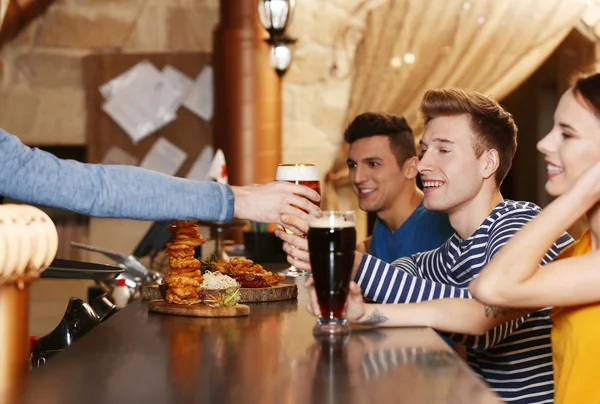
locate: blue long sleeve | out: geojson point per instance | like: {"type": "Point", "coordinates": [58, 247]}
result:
{"type": "Point", "coordinates": [33, 176]}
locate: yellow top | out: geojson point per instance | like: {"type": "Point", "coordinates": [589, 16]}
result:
{"type": "Point", "coordinates": [576, 344]}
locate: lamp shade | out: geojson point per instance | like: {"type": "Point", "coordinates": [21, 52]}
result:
{"type": "Point", "coordinates": [275, 15]}
{"type": "Point", "coordinates": [280, 57]}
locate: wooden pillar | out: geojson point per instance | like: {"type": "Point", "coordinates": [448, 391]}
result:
{"type": "Point", "coordinates": [15, 15]}
{"type": "Point", "coordinates": [14, 341]}
{"type": "Point", "coordinates": [247, 96]}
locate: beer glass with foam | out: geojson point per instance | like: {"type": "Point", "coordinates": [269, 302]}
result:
{"type": "Point", "coordinates": [303, 174]}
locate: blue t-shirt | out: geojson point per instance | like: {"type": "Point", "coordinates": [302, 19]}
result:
{"type": "Point", "coordinates": [424, 230]}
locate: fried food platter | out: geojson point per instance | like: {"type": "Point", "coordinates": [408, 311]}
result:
{"type": "Point", "coordinates": [258, 285]}
{"type": "Point", "coordinates": [189, 292]}
{"type": "Point", "coordinates": [246, 272]}
{"type": "Point", "coordinates": [212, 288]}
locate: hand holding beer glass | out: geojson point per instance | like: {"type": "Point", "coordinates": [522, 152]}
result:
{"type": "Point", "coordinates": [331, 245]}
{"type": "Point", "coordinates": [302, 174]}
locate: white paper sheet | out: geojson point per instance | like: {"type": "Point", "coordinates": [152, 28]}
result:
{"type": "Point", "coordinates": [164, 157]}
{"type": "Point", "coordinates": [153, 95]}
{"type": "Point", "coordinates": [133, 121]}
{"type": "Point", "coordinates": [115, 85]}
{"type": "Point", "coordinates": [177, 79]}
{"type": "Point", "coordinates": [141, 100]}
{"type": "Point", "coordinates": [199, 170]}
{"type": "Point", "coordinates": [200, 98]}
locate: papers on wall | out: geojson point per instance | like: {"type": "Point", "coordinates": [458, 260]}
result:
{"type": "Point", "coordinates": [164, 157]}
{"type": "Point", "coordinates": [116, 155]}
{"type": "Point", "coordinates": [178, 80]}
{"type": "Point", "coordinates": [197, 94]}
{"type": "Point", "coordinates": [117, 84]}
{"type": "Point", "coordinates": [200, 97]}
{"type": "Point", "coordinates": [144, 99]}
{"type": "Point", "coordinates": [199, 170]}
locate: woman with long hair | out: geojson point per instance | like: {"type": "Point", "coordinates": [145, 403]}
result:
{"type": "Point", "coordinates": [571, 283]}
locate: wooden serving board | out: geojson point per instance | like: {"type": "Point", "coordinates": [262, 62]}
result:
{"type": "Point", "coordinates": [197, 310]}
{"type": "Point", "coordinates": [275, 293]}
{"type": "Point", "coordinates": [283, 291]}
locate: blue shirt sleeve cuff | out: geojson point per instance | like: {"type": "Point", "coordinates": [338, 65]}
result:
{"type": "Point", "coordinates": [230, 203]}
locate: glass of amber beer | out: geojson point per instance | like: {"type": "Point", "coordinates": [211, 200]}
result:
{"type": "Point", "coordinates": [331, 245]}
{"type": "Point", "coordinates": [303, 174]}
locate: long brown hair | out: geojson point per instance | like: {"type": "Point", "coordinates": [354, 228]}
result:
{"type": "Point", "coordinates": [587, 87]}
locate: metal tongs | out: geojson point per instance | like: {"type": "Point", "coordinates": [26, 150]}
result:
{"type": "Point", "coordinates": [135, 271]}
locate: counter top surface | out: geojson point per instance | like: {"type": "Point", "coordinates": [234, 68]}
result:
{"type": "Point", "coordinates": [269, 356]}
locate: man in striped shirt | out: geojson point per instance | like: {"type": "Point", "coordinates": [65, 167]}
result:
{"type": "Point", "coordinates": [514, 357]}
{"type": "Point", "coordinates": [467, 147]}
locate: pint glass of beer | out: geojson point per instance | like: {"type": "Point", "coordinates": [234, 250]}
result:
{"type": "Point", "coordinates": [331, 244]}
{"type": "Point", "coordinates": [303, 174]}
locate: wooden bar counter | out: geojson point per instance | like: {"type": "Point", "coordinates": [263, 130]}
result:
{"type": "Point", "coordinates": [268, 357]}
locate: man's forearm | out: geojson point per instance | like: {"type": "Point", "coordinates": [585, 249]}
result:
{"type": "Point", "coordinates": [460, 316]}
{"type": "Point", "coordinates": [431, 304]}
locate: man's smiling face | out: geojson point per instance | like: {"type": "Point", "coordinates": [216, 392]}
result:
{"type": "Point", "coordinates": [375, 175]}
{"type": "Point", "coordinates": [450, 170]}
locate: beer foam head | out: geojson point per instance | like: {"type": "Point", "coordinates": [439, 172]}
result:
{"type": "Point", "coordinates": [297, 172]}
{"type": "Point", "coordinates": [331, 220]}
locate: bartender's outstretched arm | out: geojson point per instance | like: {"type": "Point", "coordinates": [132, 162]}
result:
{"type": "Point", "coordinates": [34, 176]}
{"type": "Point", "coordinates": [270, 202]}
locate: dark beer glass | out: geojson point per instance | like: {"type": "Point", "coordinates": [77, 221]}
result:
{"type": "Point", "coordinates": [331, 244]}
{"type": "Point", "coordinates": [302, 174]}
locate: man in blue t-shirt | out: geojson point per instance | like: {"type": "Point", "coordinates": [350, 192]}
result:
{"type": "Point", "coordinates": [382, 162]}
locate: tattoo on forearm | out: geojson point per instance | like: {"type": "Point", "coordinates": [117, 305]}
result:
{"type": "Point", "coordinates": [374, 318]}
{"type": "Point", "coordinates": [502, 311]}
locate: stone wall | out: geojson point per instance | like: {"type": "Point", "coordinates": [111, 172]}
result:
{"type": "Point", "coordinates": [41, 80]}
{"type": "Point", "coordinates": [314, 101]}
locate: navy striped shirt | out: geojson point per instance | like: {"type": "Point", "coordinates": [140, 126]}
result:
{"type": "Point", "coordinates": [514, 358]}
